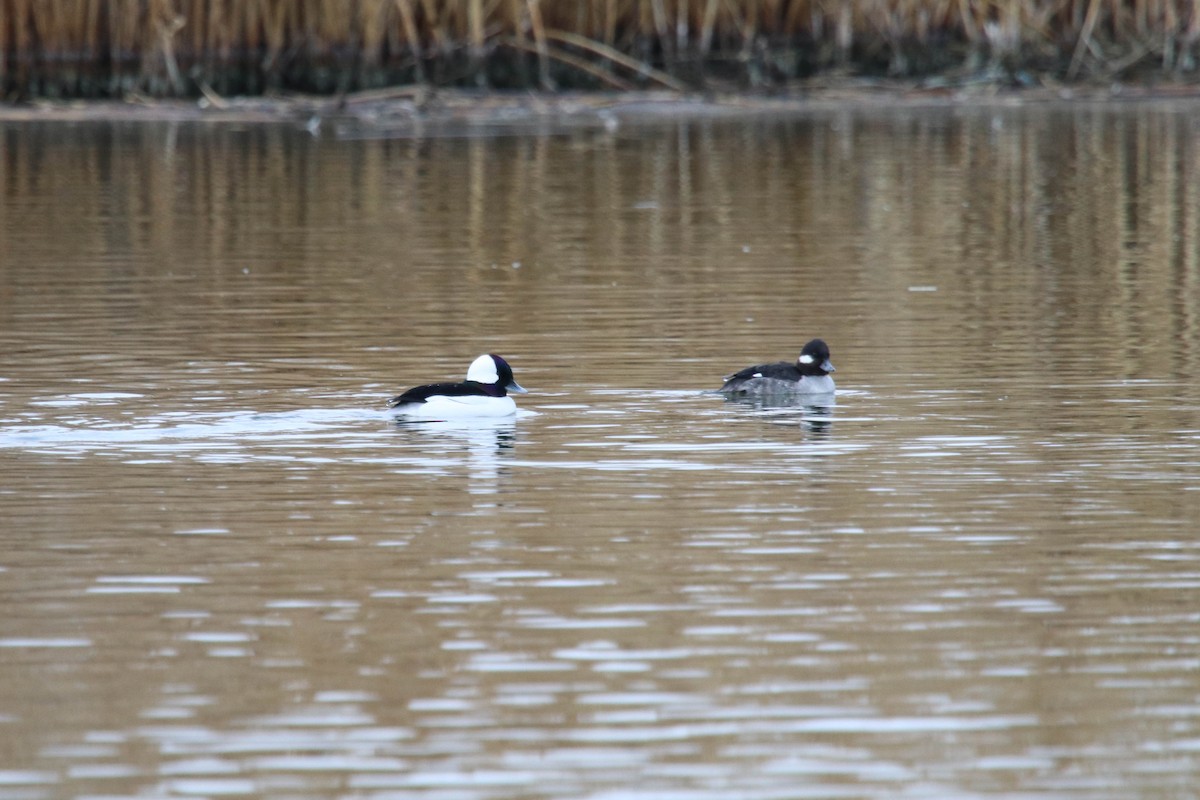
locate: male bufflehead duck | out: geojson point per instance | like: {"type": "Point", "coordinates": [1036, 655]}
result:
{"type": "Point", "coordinates": [483, 394]}
{"type": "Point", "coordinates": [809, 375]}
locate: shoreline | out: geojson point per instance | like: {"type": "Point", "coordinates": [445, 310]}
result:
{"type": "Point", "coordinates": [422, 105]}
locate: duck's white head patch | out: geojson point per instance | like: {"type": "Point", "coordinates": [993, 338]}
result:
{"type": "Point", "coordinates": [806, 359]}
{"type": "Point", "coordinates": [483, 370]}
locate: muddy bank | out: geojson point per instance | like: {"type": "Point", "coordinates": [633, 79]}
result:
{"type": "Point", "coordinates": [413, 108]}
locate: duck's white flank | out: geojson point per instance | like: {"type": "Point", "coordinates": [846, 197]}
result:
{"type": "Point", "coordinates": [443, 407]}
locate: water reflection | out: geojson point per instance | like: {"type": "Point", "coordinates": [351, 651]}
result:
{"type": "Point", "coordinates": [485, 442]}
{"type": "Point", "coordinates": [76, 429]}
{"type": "Point", "coordinates": [1027, 222]}
{"type": "Point", "coordinates": [228, 571]}
{"type": "Point", "coordinates": [812, 417]}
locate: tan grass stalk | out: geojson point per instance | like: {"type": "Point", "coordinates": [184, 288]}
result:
{"type": "Point", "coordinates": [274, 24]}
{"type": "Point", "coordinates": [475, 26]}
{"type": "Point", "coordinates": [792, 20]}
{"type": "Point", "coordinates": [166, 24]}
{"type": "Point", "coordinates": [659, 14]}
{"type": "Point", "coordinates": [1085, 38]}
{"type": "Point", "coordinates": [610, 21]}
{"type": "Point", "coordinates": [539, 37]}
{"type": "Point", "coordinates": [706, 26]}
{"type": "Point", "coordinates": [573, 61]}
{"type": "Point", "coordinates": [434, 23]}
{"type": "Point", "coordinates": [373, 26]}
{"type": "Point", "coordinates": [845, 32]}
{"type": "Point", "coordinates": [409, 21]}
{"type": "Point", "coordinates": [5, 33]}
{"type": "Point", "coordinates": [1170, 22]}
{"type": "Point", "coordinates": [751, 24]}
{"type": "Point", "coordinates": [1192, 34]}
{"type": "Point", "coordinates": [604, 50]}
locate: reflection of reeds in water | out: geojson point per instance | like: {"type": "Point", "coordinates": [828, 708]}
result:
{"type": "Point", "coordinates": [89, 47]}
{"type": "Point", "coordinates": [1041, 225]}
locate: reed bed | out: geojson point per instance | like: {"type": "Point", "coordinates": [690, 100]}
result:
{"type": "Point", "coordinates": [184, 47]}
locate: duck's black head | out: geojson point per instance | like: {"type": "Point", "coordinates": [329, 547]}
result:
{"type": "Point", "coordinates": [814, 359]}
{"type": "Point", "coordinates": [494, 370]}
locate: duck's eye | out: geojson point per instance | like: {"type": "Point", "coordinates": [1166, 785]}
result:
{"type": "Point", "coordinates": [806, 359]}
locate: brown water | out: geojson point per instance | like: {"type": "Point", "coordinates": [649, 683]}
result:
{"type": "Point", "coordinates": [225, 571]}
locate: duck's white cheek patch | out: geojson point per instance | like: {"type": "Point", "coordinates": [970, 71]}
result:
{"type": "Point", "coordinates": [806, 359]}
{"type": "Point", "coordinates": [483, 370]}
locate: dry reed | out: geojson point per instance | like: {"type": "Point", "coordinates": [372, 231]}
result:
{"type": "Point", "coordinates": [173, 47]}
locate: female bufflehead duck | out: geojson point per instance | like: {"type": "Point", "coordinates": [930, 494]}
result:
{"type": "Point", "coordinates": [809, 375]}
{"type": "Point", "coordinates": [483, 394]}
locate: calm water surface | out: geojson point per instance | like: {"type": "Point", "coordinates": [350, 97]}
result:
{"type": "Point", "coordinates": [225, 570]}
